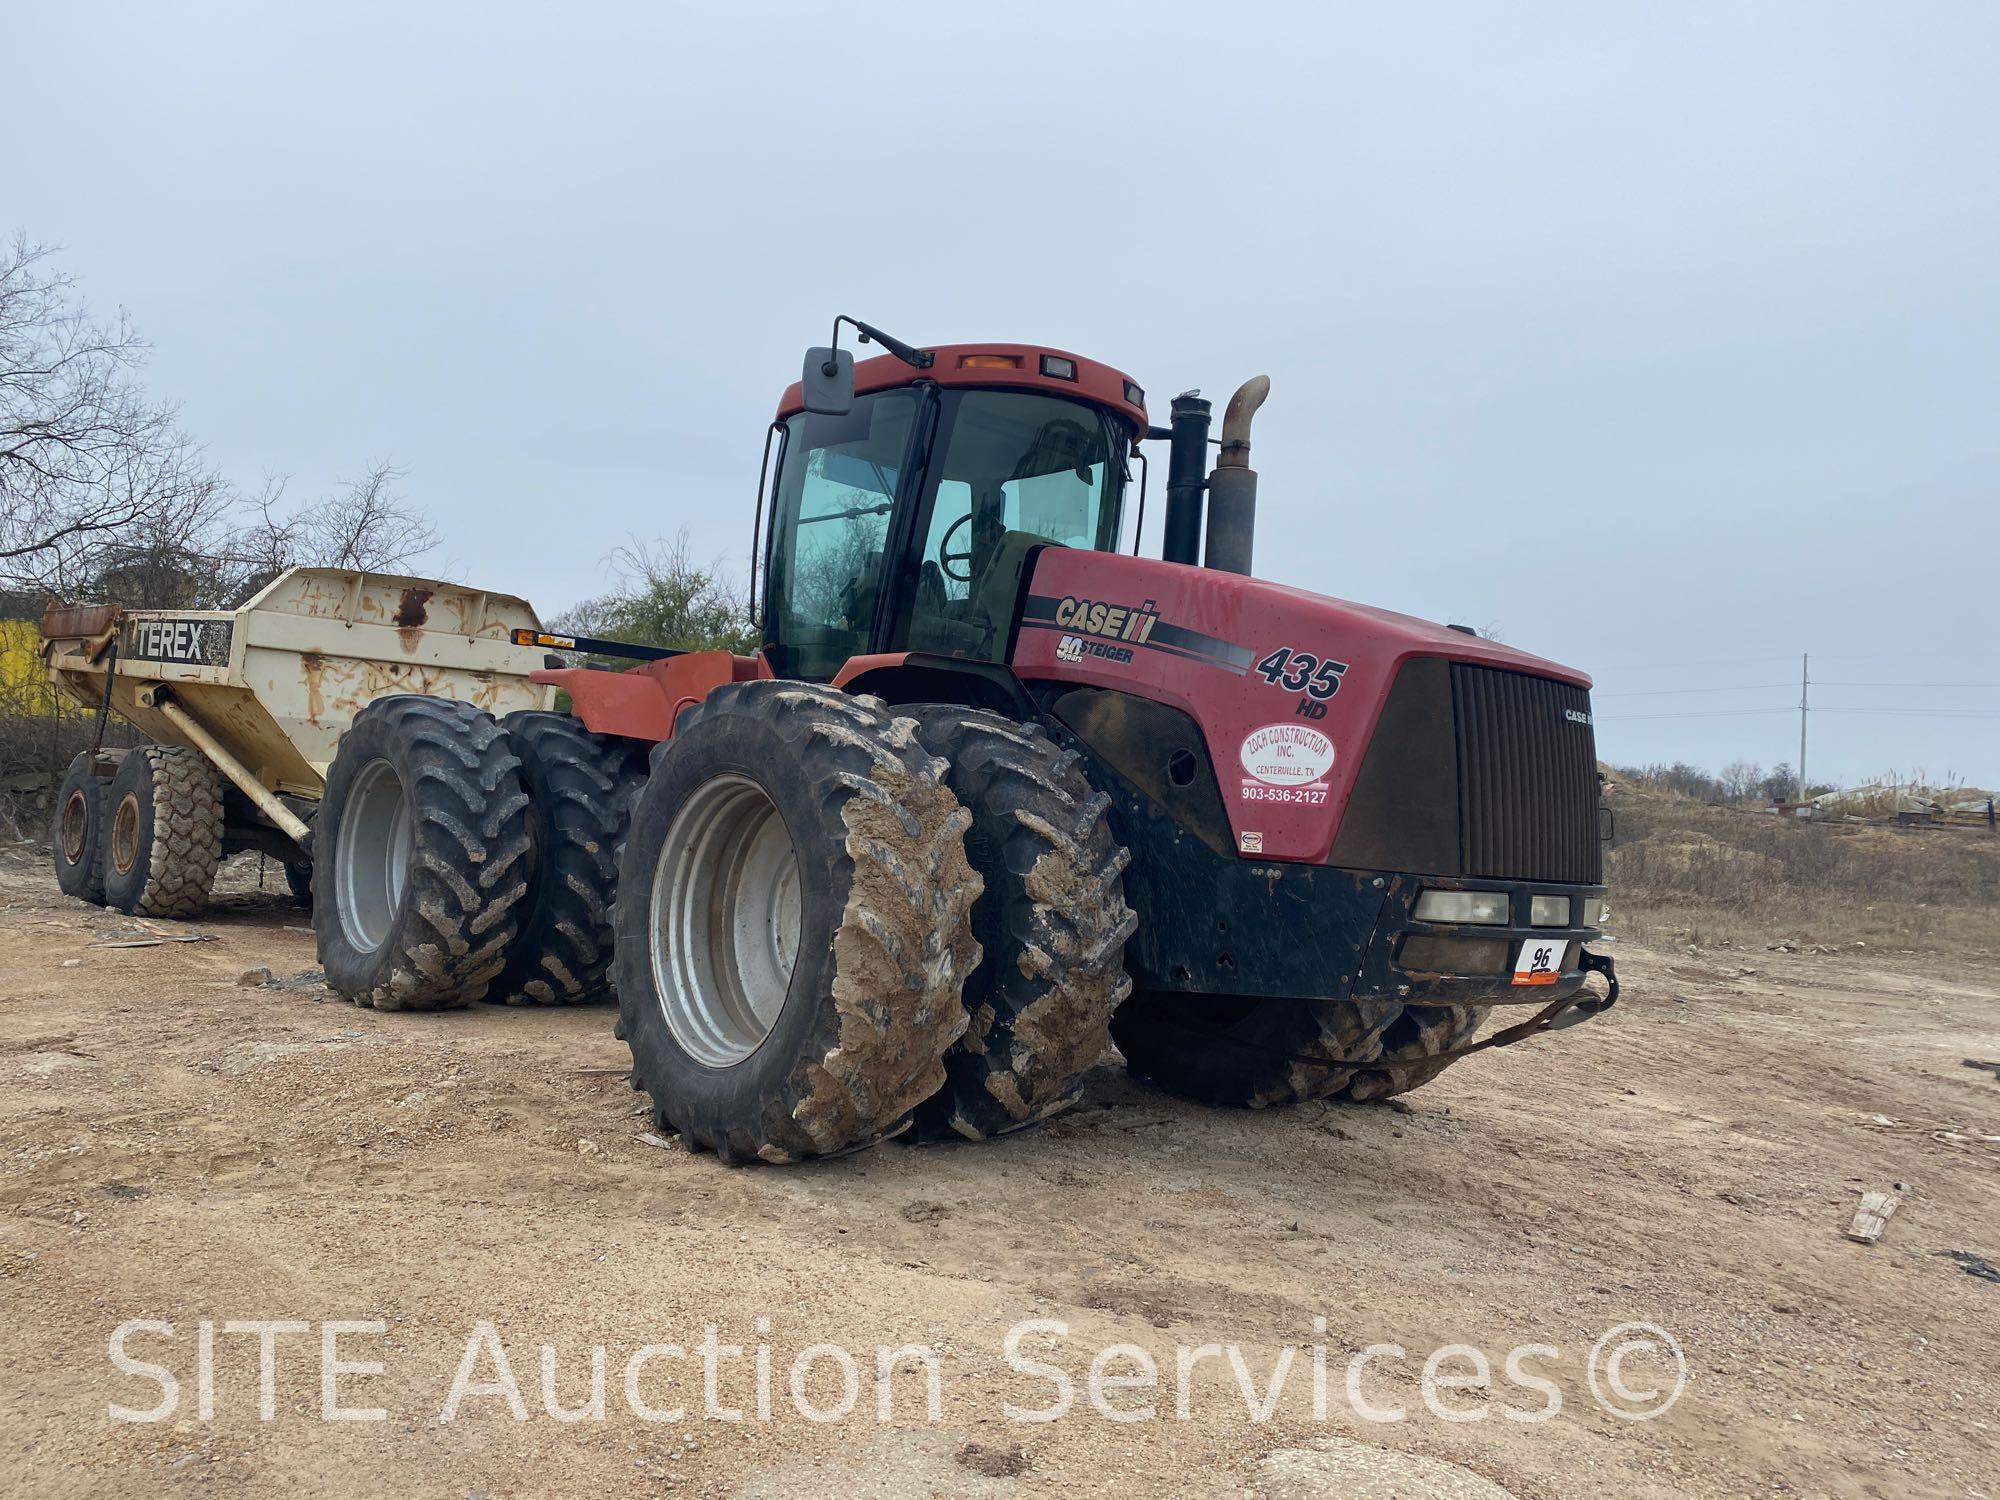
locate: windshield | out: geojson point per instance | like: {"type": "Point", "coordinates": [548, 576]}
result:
{"type": "Point", "coordinates": [1013, 471]}
{"type": "Point", "coordinates": [984, 476]}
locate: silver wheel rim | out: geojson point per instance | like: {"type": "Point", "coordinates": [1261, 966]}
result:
{"type": "Point", "coordinates": [725, 917]}
{"type": "Point", "coordinates": [372, 856]}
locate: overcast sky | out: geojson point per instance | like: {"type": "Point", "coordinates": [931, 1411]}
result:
{"type": "Point", "coordinates": [1665, 339]}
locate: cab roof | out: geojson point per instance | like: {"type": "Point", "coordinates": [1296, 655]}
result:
{"type": "Point", "coordinates": [1032, 367]}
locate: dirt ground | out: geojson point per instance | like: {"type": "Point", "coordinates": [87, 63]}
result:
{"type": "Point", "coordinates": [177, 1146]}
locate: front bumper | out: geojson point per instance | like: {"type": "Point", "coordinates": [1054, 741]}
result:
{"type": "Point", "coordinates": [1241, 927]}
{"type": "Point", "coordinates": [1454, 963]}
{"type": "Point", "coordinates": [1212, 922]}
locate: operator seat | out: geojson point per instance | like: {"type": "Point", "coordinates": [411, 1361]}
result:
{"type": "Point", "coordinates": [999, 586]}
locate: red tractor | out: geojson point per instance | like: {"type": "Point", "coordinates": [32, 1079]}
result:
{"type": "Point", "coordinates": [991, 791]}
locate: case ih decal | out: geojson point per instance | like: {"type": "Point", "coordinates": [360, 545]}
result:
{"type": "Point", "coordinates": [1131, 625]}
{"type": "Point", "coordinates": [202, 643]}
{"type": "Point", "coordinates": [1117, 622]}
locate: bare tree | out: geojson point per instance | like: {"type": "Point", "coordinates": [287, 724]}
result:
{"type": "Point", "coordinates": [83, 452]}
{"type": "Point", "coordinates": [1741, 780]}
{"type": "Point", "coordinates": [367, 525]}
{"type": "Point", "coordinates": [102, 495]}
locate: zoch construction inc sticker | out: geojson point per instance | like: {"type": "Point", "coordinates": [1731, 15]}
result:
{"type": "Point", "coordinates": [1286, 755]}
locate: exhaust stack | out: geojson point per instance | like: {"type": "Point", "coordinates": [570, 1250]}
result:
{"type": "Point", "coordinates": [1187, 457]}
{"type": "Point", "coordinates": [1232, 488]}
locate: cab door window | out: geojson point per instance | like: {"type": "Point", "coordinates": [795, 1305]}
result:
{"type": "Point", "coordinates": [835, 496]}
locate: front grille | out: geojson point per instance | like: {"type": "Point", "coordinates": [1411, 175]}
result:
{"type": "Point", "coordinates": [1527, 776]}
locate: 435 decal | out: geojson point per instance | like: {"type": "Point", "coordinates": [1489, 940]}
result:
{"type": "Point", "coordinates": [1302, 672]}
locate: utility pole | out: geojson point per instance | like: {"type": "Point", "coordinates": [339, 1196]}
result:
{"type": "Point", "coordinates": [1805, 684]}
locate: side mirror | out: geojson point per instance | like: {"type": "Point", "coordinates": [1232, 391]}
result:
{"type": "Point", "coordinates": [828, 382]}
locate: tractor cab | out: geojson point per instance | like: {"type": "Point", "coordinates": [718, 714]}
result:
{"type": "Point", "coordinates": [907, 500]}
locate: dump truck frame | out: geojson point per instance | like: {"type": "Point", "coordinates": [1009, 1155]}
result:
{"type": "Point", "coordinates": [246, 708]}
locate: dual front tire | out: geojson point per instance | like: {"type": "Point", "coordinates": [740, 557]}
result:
{"type": "Point", "coordinates": [794, 924]}
{"type": "Point", "coordinates": [841, 922]}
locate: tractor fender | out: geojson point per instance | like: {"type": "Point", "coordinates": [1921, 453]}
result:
{"type": "Point", "coordinates": [920, 677]}
{"type": "Point", "coordinates": [645, 703]}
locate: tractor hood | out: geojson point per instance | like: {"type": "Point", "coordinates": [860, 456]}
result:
{"type": "Point", "coordinates": [1285, 684]}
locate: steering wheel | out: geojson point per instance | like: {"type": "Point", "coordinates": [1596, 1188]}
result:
{"type": "Point", "coordinates": [946, 557]}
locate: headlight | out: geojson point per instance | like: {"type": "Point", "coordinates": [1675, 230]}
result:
{"type": "Point", "coordinates": [1593, 911]}
{"type": "Point", "coordinates": [1489, 908]}
{"type": "Point", "coordinates": [1549, 911]}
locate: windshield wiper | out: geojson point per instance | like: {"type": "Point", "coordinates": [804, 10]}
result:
{"type": "Point", "coordinates": [849, 515]}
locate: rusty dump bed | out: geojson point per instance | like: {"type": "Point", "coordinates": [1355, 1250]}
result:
{"type": "Point", "coordinates": [278, 680]}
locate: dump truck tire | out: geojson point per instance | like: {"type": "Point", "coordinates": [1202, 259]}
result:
{"type": "Point", "coordinates": [1227, 1049]}
{"type": "Point", "coordinates": [580, 788]}
{"type": "Point", "coordinates": [420, 855]}
{"type": "Point", "coordinates": [1052, 924]}
{"type": "Point", "coordinates": [163, 832]}
{"type": "Point", "coordinates": [794, 924]}
{"type": "Point", "coordinates": [78, 835]}
{"type": "Point", "coordinates": [1420, 1032]}
{"type": "Point", "coordinates": [299, 881]}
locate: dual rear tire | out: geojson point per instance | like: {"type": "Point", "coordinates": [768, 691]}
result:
{"type": "Point", "coordinates": [420, 855]}
{"type": "Point", "coordinates": [580, 787]}
{"type": "Point", "coordinates": [459, 858]}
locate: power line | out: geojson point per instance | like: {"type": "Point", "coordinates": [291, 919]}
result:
{"type": "Point", "coordinates": [1738, 713]}
{"type": "Point", "coordinates": [1907, 685]}
{"type": "Point", "coordinates": [1699, 713]}
{"type": "Point", "coordinates": [1747, 687]}
{"type": "Point", "coordinates": [1920, 713]}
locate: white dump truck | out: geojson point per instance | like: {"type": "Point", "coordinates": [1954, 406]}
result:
{"type": "Point", "coordinates": [246, 707]}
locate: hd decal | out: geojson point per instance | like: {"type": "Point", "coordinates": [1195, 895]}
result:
{"type": "Point", "coordinates": [1286, 763]}
{"type": "Point", "coordinates": [1129, 626]}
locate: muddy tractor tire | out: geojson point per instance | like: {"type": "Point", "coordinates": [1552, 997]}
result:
{"type": "Point", "coordinates": [1415, 1038]}
{"type": "Point", "coordinates": [580, 787]}
{"type": "Point", "coordinates": [162, 832]}
{"type": "Point", "coordinates": [78, 835]}
{"type": "Point", "coordinates": [794, 924]}
{"type": "Point", "coordinates": [1052, 924]}
{"type": "Point", "coordinates": [1232, 1050]}
{"type": "Point", "coordinates": [420, 855]}
{"type": "Point", "coordinates": [1258, 1052]}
